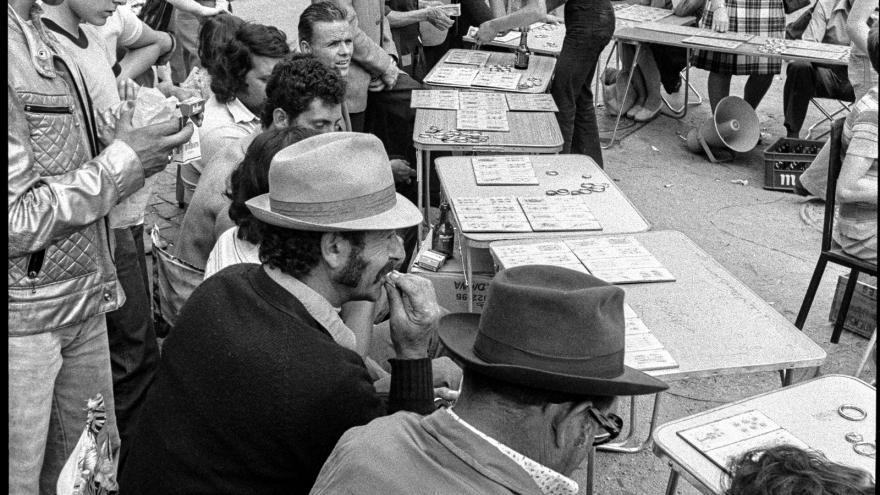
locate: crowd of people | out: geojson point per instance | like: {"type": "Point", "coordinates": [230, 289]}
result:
{"type": "Point", "coordinates": [289, 269]}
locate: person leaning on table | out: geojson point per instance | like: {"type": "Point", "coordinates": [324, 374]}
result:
{"type": "Point", "coordinates": [543, 365]}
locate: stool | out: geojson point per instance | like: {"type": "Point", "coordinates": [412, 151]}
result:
{"type": "Point", "coordinates": [845, 107]}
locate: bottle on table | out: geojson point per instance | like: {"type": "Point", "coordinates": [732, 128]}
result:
{"type": "Point", "coordinates": [521, 56]}
{"type": "Point", "coordinates": [444, 235]}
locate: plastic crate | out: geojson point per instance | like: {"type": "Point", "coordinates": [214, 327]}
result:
{"type": "Point", "coordinates": [786, 159]}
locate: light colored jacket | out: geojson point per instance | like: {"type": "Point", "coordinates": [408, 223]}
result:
{"type": "Point", "coordinates": [408, 454]}
{"type": "Point", "coordinates": [373, 48]}
{"type": "Point", "coordinates": [60, 268]}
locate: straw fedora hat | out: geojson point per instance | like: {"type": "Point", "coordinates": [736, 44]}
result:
{"type": "Point", "coordinates": [549, 328]}
{"type": "Point", "coordinates": [340, 181]}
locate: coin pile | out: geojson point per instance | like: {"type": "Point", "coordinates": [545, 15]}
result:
{"type": "Point", "coordinates": [531, 82]}
{"type": "Point", "coordinates": [499, 68]}
{"type": "Point", "coordinates": [773, 46]}
{"type": "Point", "coordinates": [454, 136]}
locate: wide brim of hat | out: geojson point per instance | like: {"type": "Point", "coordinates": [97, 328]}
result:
{"type": "Point", "coordinates": [458, 331]}
{"type": "Point", "coordinates": [404, 214]}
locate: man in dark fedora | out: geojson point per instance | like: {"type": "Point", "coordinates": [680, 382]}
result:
{"type": "Point", "coordinates": [542, 367]}
{"type": "Point", "coordinates": [252, 391]}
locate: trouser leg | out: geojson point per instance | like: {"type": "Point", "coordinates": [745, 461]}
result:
{"type": "Point", "coordinates": [800, 78]}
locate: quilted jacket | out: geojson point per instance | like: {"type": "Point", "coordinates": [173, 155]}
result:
{"type": "Point", "coordinates": [60, 267]}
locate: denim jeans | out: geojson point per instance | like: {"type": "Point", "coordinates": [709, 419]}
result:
{"type": "Point", "coordinates": [589, 26]}
{"type": "Point", "coordinates": [51, 376]}
{"type": "Point", "coordinates": [134, 353]}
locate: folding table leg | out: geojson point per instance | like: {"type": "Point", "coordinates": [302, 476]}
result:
{"type": "Point", "coordinates": [871, 343]}
{"type": "Point", "coordinates": [419, 174]}
{"type": "Point", "coordinates": [621, 446]}
{"type": "Point", "coordinates": [591, 463]}
{"type": "Point", "coordinates": [681, 112]}
{"type": "Point", "coordinates": [844, 305]}
{"type": "Point", "coordinates": [672, 484]}
{"type": "Point", "coordinates": [632, 72]}
{"type": "Point", "coordinates": [811, 292]}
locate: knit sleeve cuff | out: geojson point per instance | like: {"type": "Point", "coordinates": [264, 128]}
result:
{"type": "Point", "coordinates": [411, 386]}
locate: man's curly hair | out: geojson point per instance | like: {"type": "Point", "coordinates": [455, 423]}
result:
{"type": "Point", "coordinates": [232, 60]}
{"type": "Point", "coordinates": [789, 470]}
{"type": "Point", "coordinates": [296, 82]}
{"type": "Point", "coordinates": [298, 252]}
{"type": "Point", "coordinates": [251, 177]}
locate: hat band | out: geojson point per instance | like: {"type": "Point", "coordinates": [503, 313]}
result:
{"type": "Point", "coordinates": [495, 352]}
{"type": "Point", "coordinates": [342, 210]}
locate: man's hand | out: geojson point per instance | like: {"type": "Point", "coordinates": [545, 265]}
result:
{"type": "Point", "coordinates": [414, 314]}
{"type": "Point", "coordinates": [152, 143]}
{"type": "Point", "coordinates": [389, 78]}
{"type": "Point", "coordinates": [376, 85]}
{"type": "Point", "coordinates": [169, 89]}
{"type": "Point", "coordinates": [127, 89]}
{"type": "Point", "coordinates": [402, 171]}
{"type": "Point", "coordinates": [720, 21]}
{"type": "Point", "coordinates": [552, 19]}
{"type": "Point", "coordinates": [438, 18]}
{"type": "Point", "coordinates": [486, 33]}
{"type": "Point", "coordinates": [209, 11]}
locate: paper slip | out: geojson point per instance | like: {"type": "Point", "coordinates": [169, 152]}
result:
{"type": "Point", "coordinates": [810, 53]}
{"type": "Point", "coordinates": [635, 325]}
{"type": "Point", "coordinates": [619, 260]}
{"type": "Point", "coordinates": [642, 13]}
{"type": "Point", "coordinates": [443, 99]}
{"type": "Point", "coordinates": [730, 437]}
{"type": "Point", "coordinates": [657, 359]}
{"type": "Point", "coordinates": [628, 312]}
{"type": "Point", "coordinates": [481, 120]}
{"type": "Point", "coordinates": [671, 28]}
{"type": "Point", "coordinates": [503, 171]}
{"type": "Point", "coordinates": [497, 80]}
{"type": "Point", "coordinates": [481, 100]}
{"type": "Point", "coordinates": [492, 214]}
{"type": "Point", "coordinates": [524, 102]}
{"type": "Point", "coordinates": [508, 36]}
{"type": "Point", "coordinates": [452, 9]}
{"type": "Point", "coordinates": [467, 57]}
{"type": "Point", "coordinates": [542, 253]}
{"type": "Point", "coordinates": [727, 35]}
{"type": "Point", "coordinates": [450, 75]}
{"type": "Point", "coordinates": [558, 213]}
{"type": "Point", "coordinates": [642, 342]}
{"type": "Point", "coordinates": [812, 45]}
{"type": "Point", "coordinates": [713, 42]}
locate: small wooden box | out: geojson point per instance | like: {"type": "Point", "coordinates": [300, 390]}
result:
{"type": "Point", "coordinates": [861, 318]}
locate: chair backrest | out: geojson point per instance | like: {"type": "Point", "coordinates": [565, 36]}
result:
{"type": "Point", "coordinates": [835, 163]}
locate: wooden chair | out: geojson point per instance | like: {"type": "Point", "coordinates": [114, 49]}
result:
{"type": "Point", "coordinates": [831, 251]}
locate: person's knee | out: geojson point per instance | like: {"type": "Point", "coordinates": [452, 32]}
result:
{"type": "Point", "coordinates": [799, 71]}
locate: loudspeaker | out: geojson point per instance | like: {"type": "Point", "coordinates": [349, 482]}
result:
{"type": "Point", "coordinates": [733, 128]}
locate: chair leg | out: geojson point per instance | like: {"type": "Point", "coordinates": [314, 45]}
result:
{"type": "Point", "coordinates": [844, 305]}
{"type": "Point", "coordinates": [811, 292]}
{"type": "Point", "coordinates": [871, 343]}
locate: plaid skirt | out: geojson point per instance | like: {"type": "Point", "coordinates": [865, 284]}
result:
{"type": "Point", "coordinates": [761, 17]}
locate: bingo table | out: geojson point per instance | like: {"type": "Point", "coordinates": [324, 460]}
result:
{"type": "Point", "coordinates": [708, 321]}
{"type": "Point", "coordinates": [610, 206]}
{"type": "Point", "coordinates": [490, 71]}
{"type": "Point", "coordinates": [835, 414]}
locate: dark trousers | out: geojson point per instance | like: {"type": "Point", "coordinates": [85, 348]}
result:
{"type": "Point", "coordinates": [805, 80]}
{"type": "Point", "coordinates": [389, 117]}
{"type": "Point", "coordinates": [589, 26]}
{"type": "Point", "coordinates": [134, 353]}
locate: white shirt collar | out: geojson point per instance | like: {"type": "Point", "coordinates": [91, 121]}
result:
{"type": "Point", "coordinates": [549, 481]}
{"type": "Point", "coordinates": [320, 308]}
{"type": "Point", "coordinates": [240, 113]}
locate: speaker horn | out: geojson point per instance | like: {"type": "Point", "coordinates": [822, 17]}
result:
{"type": "Point", "coordinates": [733, 128]}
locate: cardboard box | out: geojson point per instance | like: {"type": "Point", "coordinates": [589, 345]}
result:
{"type": "Point", "coordinates": [861, 318]}
{"type": "Point", "coordinates": [449, 282]}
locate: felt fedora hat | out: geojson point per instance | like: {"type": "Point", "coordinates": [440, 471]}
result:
{"type": "Point", "coordinates": [339, 181]}
{"type": "Point", "coordinates": [549, 328]}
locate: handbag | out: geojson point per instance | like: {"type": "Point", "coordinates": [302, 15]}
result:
{"type": "Point", "coordinates": [156, 14]}
{"type": "Point", "coordinates": [794, 5]}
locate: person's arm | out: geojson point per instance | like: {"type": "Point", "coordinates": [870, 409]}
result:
{"type": "Point", "coordinates": [853, 184]}
{"type": "Point", "coordinates": [533, 11]}
{"type": "Point", "coordinates": [815, 30]}
{"type": "Point", "coordinates": [857, 23]}
{"type": "Point", "coordinates": [435, 15]}
{"type": "Point", "coordinates": [367, 52]}
{"type": "Point", "coordinates": [137, 61]}
{"type": "Point", "coordinates": [194, 8]}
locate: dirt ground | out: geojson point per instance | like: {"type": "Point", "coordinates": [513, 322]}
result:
{"type": "Point", "coordinates": [769, 240]}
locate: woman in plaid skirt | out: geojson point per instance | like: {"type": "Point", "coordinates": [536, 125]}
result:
{"type": "Point", "coordinates": [761, 17]}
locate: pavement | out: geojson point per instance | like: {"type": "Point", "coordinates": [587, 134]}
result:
{"type": "Point", "coordinates": [767, 239]}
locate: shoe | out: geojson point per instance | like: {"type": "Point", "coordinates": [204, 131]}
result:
{"type": "Point", "coordinates": [631, 114]}
{"type": "Point", "coordinates": [646, 115]}
{"type": "Point", "coordinates": [799, 188]}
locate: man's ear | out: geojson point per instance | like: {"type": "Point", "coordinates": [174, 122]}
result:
{"type": "Point", "coordinates": [335, 250]}
{"type": "Point", "coordinates": [305, 47]}
{"type": "Point", "coordinates": [279, 119]}
{"type": "Point", "coordinates": [570, 422]}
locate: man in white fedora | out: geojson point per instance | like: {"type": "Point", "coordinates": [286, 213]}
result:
{"type": "Point", "coordinates": [543, 365]}
{"type": "Point", "coordinates": [252, 392]}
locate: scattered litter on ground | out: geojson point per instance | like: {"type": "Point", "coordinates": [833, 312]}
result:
{"type": "Point", "coordinates": [654, 148]}
{"type": "Point", "coordinates": [742, 182]}
{"type": "Point", "coordinates": [668, 185]}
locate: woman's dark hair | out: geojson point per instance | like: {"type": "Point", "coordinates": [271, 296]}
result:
{"type": "Point", "coordinates": [296, 82]}
{"type": "Point", "coordinates": [297, 252]}
{"type": "Point", "coordinates": [214, 33]}
{"type": "Point", "coordinates": [251, 177]}
{"type": "Point", "coordinates": [789, 470]}
{"type": "Point", "coordinates": [232, 60]}
{"type": "Point", "coordinates": [315, 13]}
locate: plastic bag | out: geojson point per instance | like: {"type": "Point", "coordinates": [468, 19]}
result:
{"type": "Point", "coordinates": [90, 469]}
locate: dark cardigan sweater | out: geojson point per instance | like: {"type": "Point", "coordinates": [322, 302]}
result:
{"type": "Point", "coordinates": [252, 394]}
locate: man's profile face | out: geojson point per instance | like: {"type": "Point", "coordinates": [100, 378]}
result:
{"type": "Point", "coordinates": [254, 92]}
{"type": "Point", "coordinates": [331, 44]}
{"type": "Point", "coordinates": [95, 12]}
{"type": "Point", "coordinates": [321, 116]}
{"type": "Point", "coordinates": [364, 272]}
